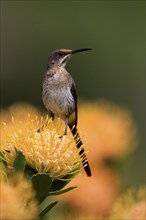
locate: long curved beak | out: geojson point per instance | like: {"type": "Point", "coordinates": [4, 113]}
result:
{"type": "Point", "coordinates": [80, 50]}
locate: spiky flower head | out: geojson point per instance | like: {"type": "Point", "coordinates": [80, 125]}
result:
{"type": "Point", "coordinates": [110, 129]}
{"type": "Point", "coordinates": [130, 205]}
{"type": "Point", "coordinates": [44, 151]}
{"type": "Point", "coordinates": [17, 199]}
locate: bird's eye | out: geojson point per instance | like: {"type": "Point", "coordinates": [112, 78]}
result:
{"type": "Point", "coordinates": [60, 54]}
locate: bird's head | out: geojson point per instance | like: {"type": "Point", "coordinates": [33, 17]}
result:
{"type": "Point", "coordinates": [61, 56]}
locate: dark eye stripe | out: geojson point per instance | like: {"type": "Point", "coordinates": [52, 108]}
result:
{"type": "Point", "coordinates": [61, 54]}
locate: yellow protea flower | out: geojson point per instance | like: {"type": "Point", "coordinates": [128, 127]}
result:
{"type": "Point", "coordinates": [109, 129]}
{"type": "Point", "coordinates": [131, 205]}
{"type": "Point", "coordinates": [17, 199]}
{"type": "Point", "coordinates": [44, 151]}
{"type": "Point", "coordinates": [20, 112]}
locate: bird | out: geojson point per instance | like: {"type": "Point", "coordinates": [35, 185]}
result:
{"type": "Point", "coordinates": [59, 96]}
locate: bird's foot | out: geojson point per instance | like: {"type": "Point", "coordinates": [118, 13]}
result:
{"type": "Point", "coordinates": [65, 133]}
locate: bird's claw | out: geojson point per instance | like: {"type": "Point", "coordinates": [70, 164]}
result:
{"type": "Point", "coordinates": [63, 135]}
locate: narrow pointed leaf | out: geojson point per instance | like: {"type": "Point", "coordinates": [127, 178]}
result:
{"type": "Point", "coordinates": [59, 192]}
{"type": "Point", "coordinates": [19, 162]}
{"type": "Point", "coordinates": [42, 184]}
{"type": "Point", "coordinates": [47, 209]}
{"type": "Point", "coordinates": [59, 184]}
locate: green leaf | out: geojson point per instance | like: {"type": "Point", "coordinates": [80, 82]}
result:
{"type": "Point", "coordinates": [59, 184]}
{"type": "Point", "coordinates": [59, 192]}
{"type": "Point", "coordinates": [29, 171]}
{"type": "Point", "coordinates": [19, 162]}
{"type": "Point", "coordinates": [42, 184]}
{"type": "Point", "coordinates": [47, 209]}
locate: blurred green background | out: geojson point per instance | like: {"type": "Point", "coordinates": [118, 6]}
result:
{"type": "Point", "coordinates": [114, 70]}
